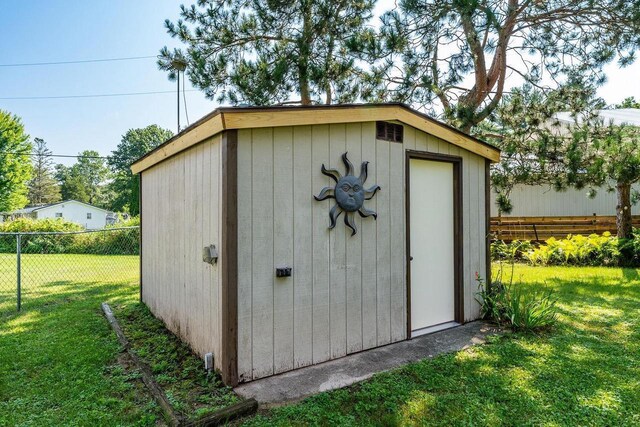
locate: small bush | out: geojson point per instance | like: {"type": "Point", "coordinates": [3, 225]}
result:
{"type": "Point", "coordinates": [38, 243]}
{"type": "Point", "coordinates": [530, 311]}
{"type": "Point", "coordinates": [511, 305]}
{"type": "Point", "coordinates": [28, 225]}
{"type": "Point", "coordinates": [514, 251]}
{"type": "Point", "coordinates": [133, 221]}
{"type": "Point", "coordinates": [579, 250]}
{"type": "Point", "coordinates": [114, 242]}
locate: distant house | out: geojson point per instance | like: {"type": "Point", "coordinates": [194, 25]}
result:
{"type": "Point", "coordinates": [541, 200]}
{"type": "Point", "coordinates": [87, 215]}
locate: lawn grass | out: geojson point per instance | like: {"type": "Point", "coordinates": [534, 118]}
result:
{"type": "Point", "coordinates": [584, 372]}
{"type": "Point", "coordinates": [61, 364]}
{"type": "Point", "coordinates": [59, 357]}
{"type": "Point", "coordinates": [50, 276]}
{"type": "Point", "coordinates": [59, 360]}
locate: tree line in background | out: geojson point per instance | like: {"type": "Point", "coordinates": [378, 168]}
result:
{"type": "Point", "coordinates": [29, 175]}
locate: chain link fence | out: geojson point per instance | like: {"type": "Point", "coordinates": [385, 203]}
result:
{"type": "Point", "coordinates": [43, 267]}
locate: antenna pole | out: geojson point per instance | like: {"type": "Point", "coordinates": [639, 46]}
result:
{"type": "Point", "coordinates": [178, 99]}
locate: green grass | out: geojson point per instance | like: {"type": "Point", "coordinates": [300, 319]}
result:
{"type": "Point", "coordinates": [59, 360]}
{"type": "Point", "coordinates": [192, 391]}
{"type": "Point", "coordinates": [60, 363]}
{"type": "Point", "coordinates": [584, 372]}
{"type": "Point", "coordinates": [52, 277]}
{"type": "Point", "coordinates": [59, 357]}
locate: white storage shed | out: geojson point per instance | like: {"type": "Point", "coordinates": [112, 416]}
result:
{"type": "Point", "coordinates": [281, 237]}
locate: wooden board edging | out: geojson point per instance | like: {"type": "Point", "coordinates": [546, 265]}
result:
{"type": "Point", "coordinates": [225, 415]}
{"type": "Point", "coordinates": [145, 372]}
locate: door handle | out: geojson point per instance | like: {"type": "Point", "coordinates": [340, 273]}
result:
{"type": "Point", "coordinates": [410, 258]}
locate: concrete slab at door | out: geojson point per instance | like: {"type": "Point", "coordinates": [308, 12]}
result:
{"type": "Point", "coordinates": [432, 245]}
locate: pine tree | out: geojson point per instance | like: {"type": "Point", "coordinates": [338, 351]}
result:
{"type": "Point", "coordinates": [43, 187]}
{"type": "Point", "coordinates": [262, 52]}
{"type": "Point", "coordinates": [588, 154]}
{"type": "Point", "coordinates": [460, 53]}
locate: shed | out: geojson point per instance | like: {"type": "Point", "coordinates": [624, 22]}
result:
{"type": "Point", "coordinates": [281, 237]}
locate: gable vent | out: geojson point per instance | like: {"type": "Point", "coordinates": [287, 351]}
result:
{"type": "Point", "coordinates": [389, 131]}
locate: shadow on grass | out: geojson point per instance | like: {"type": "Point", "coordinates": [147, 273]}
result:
{"type": "Point", "coordinates": [630, 274]}
{"type": "Point", "coordinates": [585, 372]}
{"type": "Point", "coordinates": [58, 292]}
{"type": "Point", "coordinates": [41, 301]}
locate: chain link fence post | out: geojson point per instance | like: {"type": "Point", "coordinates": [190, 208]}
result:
{"type": "Point", "coordinates": [19, 269]}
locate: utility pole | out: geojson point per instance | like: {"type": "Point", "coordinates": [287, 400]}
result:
{"type": "Point", "coordinates": [179, 65]}
{"type": "Point", "coordinates": [178, 100]}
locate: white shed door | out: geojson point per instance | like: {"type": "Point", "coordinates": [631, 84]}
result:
{"type": "Point", "coordinates": [432, 245]}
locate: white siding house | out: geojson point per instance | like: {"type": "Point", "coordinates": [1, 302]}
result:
{"type": "Point", "coordinates": [89, 216]}
{"type": "Point", "coordinates": [542, 200]}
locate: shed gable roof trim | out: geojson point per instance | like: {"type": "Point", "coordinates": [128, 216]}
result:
{"type": "Point", "coordinates": [257, 117]}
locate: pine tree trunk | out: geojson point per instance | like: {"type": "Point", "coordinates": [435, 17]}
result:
{"type": "Point", "coordinates": [305, 97]}
{"type": "Point", "coordinates": [303, 59]}
{"type": "Point", "coordinates": [623, 210]}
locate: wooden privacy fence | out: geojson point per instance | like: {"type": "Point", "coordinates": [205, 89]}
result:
{"type": "Point", "coordinates": [544, 227]}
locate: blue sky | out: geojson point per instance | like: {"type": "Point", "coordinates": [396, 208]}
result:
{"type": "Point", "coordinates": [67, 30]}
{"type": "Point", "coordinates": [42, 31]}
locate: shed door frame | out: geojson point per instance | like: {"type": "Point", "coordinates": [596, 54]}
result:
{"type": "Point", "coordinates": [457, 230]}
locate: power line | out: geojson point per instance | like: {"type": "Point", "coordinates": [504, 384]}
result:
{"type": "Point", "coordinates": [100, 95]}
{"type": "Point", "coordinates": [30, 154]}
{"type": "Point", "coordinates": [82, 61]}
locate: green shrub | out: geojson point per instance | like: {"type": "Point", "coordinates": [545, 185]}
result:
{"type": "Point", "coordinates": [530, 311]}
{"type": "Point", "coordinates": [511, 305]}
{"type": "Point", "coordinates": [577, 250]}
{"type": "Point", "coordinates": [514, 251]}
{"type": "Point", "coordinates": [29, 225]}
{"type": "Point", "coordinates": [492, 299]}
{"type": "Point", "coordinates": [592, 250]}
{"type": "Point", "coordinates": [133, 221]}
{"type": "Point", "coordinates": [38, 243]}
{"type": "Point", "coordinates": [114, 242]}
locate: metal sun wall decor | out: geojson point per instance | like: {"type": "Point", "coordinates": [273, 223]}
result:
{"type": "Point", "coordinates": [349, 193]}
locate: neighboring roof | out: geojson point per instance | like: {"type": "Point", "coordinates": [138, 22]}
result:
{"type": "Point", "coordinates": [255, 117]}
{"type": "Point", "coordinates": [621, 116]}
{"type": "Point", "coordinates": [25, 210]}
{"type": "Point", "coordinates": [37, 208]}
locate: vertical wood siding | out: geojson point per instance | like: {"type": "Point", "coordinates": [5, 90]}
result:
{"type": "Point", "coordinates": [180, 207]}
{"type": "Point", "coordinates": [346, 293]}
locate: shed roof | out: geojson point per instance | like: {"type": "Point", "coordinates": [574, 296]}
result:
{"type": "Point", "coordinates": [256, 117]}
